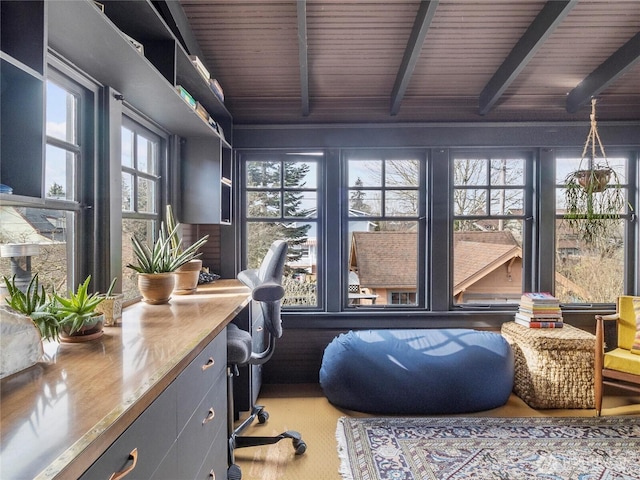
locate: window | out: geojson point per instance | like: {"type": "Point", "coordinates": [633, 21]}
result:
{"type": "Point", "coordinates": [63, 149]}
{"type": "Point", "coordinates": [403, 298]}
{"type": "Point", "coordinates": [47, 239]}
{"type": "Point", "coordinates": [489, 212]}
{"type": "Point", "coordinates": [142, 155]}
{"type": "Point", "coordinates": [281, 202]}
{"type": "Point", "coordinates": [385, 219]}
{"type": "Point", "coordinates": [590, 271]}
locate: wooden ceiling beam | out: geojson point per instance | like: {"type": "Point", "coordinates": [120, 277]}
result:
{"type": "Point", "coordinates": [412, 52]}
{"type": "Point", "coordinates": [542, 26]}
{"type": "Point", "coordinates": [603, 76]}
{"type": "Point", "coordinates": [303, 56]}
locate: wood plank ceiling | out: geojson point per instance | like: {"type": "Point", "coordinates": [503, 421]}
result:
{"type": "Point", "coordinates": [336, 61]}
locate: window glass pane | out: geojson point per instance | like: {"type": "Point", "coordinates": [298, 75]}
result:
{"type": "Point", "coordinates": [300, 204]}
{"type": "Point", "coordinates": [300, 280]}
{"type": "Point", "coordinates": [127, 192]}
{"type": "Point", "coordinates": [487, 265]}
{"type": "Point", "coordinates": [365, 173]}
{"type": "Point", "coordinates": [263, 204]}
{"type": "Point", "coordinates": [146, 195]}
{"type": "Point", "coordinates": [127, 137]}
{"type": "Point", "coordinates": [507, 202]}
{"type": "Point", "coordinates": [59, 173]}
{"type": "Point", "coordinates": [589, 273]}
{"type": "Point", "coordinates": [402, 173]}
{"type": "Point", "coordinates": [36, 240]}
{"type": "Point", "coordinates": [365, 203]}
{"type": "Point", "coordinates": [144, 230]}
{"type": "Point", "coordinates": [147, 154]}
{"type": "Point", "coordinates": [383, 262]}
{"type": "Point", "coordinates": [507, 171]}
{"type": "Point", "coordinates": [61, 113]}
{"type": "Point", "coordinates": [470, 172]}
{"type": "Point", "coordinates": [590, 246]}
{"type": "Point", "coordinates": [469, 202]}
{"type": "Point", "coordinates": [401, 203]}
{"type": "Point", "coordinates": [263, 174]}
{"type": "Point", "coordinates": [301, 174]}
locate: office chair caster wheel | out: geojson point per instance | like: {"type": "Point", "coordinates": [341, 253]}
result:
{"type": "Point", "coordinates": [299, 446]}
{"type": "Point", "coordinates": [234, 472]}
{"type": "Point", "coordinates": [263, 417]}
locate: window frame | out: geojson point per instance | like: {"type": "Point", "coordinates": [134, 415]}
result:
{"type": "Point", "coordinates": [244, 220]}
{"type": "Point", "coordinates": [421, 219]}
{"type": "Point", "coordinates": [528, 217]}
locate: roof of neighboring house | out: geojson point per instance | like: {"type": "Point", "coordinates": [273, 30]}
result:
{"type": "Point", "coordinates": [385, 259]}
{"type": "Point", "coordinates": [388, 259]}
{"type": "Point", "coordinates": [475, 260]}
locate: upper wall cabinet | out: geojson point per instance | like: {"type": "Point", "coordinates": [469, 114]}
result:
{"type": "Point", "coordinates": [22, 65]}
{"type": "Point", "coordinates": [129, 47]}
{"type": "Point", "coordinates": [206, 181]}
{"type": "Point", "coordinates": [125, 45]}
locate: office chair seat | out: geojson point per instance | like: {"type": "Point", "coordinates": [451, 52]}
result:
{"type": "Point", "coordinates": [238, 345]}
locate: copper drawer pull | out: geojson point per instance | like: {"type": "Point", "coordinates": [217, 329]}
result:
{"type": "Point", "coordinates": [210, 363]}
{"type": "Point", "coordinates": [210, 416]}
{"type": "Point", "coordinates": [132, 456]}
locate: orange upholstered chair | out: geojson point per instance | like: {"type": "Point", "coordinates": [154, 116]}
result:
{"type": "Point", "coordinates": [616, 364]}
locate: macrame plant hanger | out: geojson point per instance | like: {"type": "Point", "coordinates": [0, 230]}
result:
{"type": "Point", "coordinates": [593, 138]}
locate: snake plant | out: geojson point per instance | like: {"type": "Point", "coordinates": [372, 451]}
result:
{"type": "Point", "coordinates": [164, 256]}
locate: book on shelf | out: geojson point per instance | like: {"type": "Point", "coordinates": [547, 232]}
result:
{"type": "Point", "coordinates": [538, 324]}
{"type": "Point", "coordinates": [202, 70]}
{"type": "Point", "coordinates": [186, 96]}
{"type": "Point", "coordinates": [202, 112]}
{"type": "Point", "coordinates": [217, 88]}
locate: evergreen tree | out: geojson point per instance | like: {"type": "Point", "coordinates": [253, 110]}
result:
{"type": "Point", "coordinates": [356, 201]}
{"type": "Point", "coordinates": [276, 212]}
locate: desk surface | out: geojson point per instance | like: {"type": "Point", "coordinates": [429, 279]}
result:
{"type": "Point", "coordinates": [60, 415]}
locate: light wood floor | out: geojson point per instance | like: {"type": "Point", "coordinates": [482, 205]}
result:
{"type": "Point", "coordinates": [305, 409]}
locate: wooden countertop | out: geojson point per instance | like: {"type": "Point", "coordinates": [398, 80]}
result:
{"type": "Point", "coordinates": [60, 415]}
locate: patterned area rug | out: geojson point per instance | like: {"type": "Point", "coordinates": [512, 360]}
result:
{"type": "Point", "coordinates": [576, 448]}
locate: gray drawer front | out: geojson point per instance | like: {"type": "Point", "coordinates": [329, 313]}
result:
{"type": "Point", "coordinates": [194, 382]}
{"type": "Point", "coordinates": [196, 438]}
{"type": "Point", "coordinates": [216, 459]}
{"type": "Point", "coordinates": [152, 434]}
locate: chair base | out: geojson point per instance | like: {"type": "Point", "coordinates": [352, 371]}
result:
{"type": "Point", "coordinates": [236, 440]}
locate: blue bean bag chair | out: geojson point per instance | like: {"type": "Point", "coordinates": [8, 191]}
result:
{"type": "Point", "coordinates": [438, 371]}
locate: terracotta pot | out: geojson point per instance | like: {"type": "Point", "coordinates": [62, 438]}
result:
{"type": "Point", "coordinates": [156, 288]}
{"type": "Point", "coordinates": [187, 277]}
{"type": "Point", "coordinates": [90, 331]}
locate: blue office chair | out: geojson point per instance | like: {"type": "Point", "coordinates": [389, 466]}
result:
{"type": "Point", "coordinates": [266, 289]}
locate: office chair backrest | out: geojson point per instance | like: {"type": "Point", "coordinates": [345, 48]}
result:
{"type": "Point", "coordinates": [266, 285]}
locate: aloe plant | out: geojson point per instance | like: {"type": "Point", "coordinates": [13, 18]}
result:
{"type": "Point", "coordinates": [77, 309]}
{"type": "Point", "coordinates": [33, 303]}
{"type": "Point", "coordinates": [164, 257]}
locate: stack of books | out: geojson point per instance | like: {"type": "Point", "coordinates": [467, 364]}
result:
{"type": "Point", "coordinates": [539, 310]}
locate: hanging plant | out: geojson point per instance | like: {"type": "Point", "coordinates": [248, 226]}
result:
{"type": "Point", "coordinates": [594, 197]}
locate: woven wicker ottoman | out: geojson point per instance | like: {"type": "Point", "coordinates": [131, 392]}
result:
{"type": "Point", "coordinates": [554, 367]}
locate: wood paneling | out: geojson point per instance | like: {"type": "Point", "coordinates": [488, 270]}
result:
{"type": "Point", "coordinates": [355, 49]}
